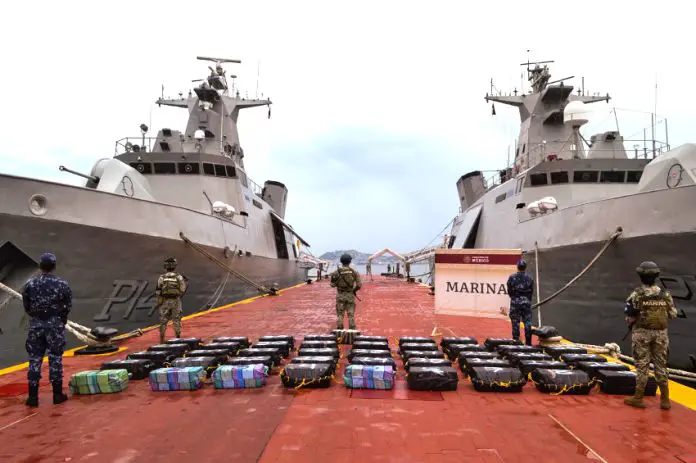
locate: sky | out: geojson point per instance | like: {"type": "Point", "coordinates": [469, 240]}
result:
{"type": "Point", "coordinates": [378, 107]}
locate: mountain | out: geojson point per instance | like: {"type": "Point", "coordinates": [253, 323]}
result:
{"type": "Point", "coordinates": [358, 257]}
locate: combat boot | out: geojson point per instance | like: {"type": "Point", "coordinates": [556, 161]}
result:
{"type": "Point", "coordinates": [58, 395]}
{"type": "Point", "coordinates": [637, 399]}
{"type": "Point", "coordinates": [33, 399]}
{"type": "Point", "coordinates": [664, 396]}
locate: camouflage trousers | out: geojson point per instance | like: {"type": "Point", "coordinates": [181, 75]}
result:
{"type": "Point", "coordinates": [345, 303]}
{"type": "Point", "coordinates": [650, 345]}
{"type": "Point", "coordinates": [170, 311]}
{"type": "Point", "coordinates": [523, 314]}
{"type": "Point", "coordinates": [45, 335]}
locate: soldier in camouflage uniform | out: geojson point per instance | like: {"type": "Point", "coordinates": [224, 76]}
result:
{"type": "Point", "coordinates": [520, 288]}
{"type": "Point", "coordinates": [171, 286]}
{"type": "Point", "coordinates": [368, 269]}
{"type": "Point", "coordinates": [407, 269]}
{"type": "Point", "coordinates": [47, 299]}
{"type": "Point", "coordinates": [347, 282]}
{"type": "Point", "coordinates": [648, 310]}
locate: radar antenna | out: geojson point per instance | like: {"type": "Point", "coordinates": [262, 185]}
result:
{"type": "Point", "coordinates": [538, 76]}
{"type": "Point", "coordinates": [217, 78]}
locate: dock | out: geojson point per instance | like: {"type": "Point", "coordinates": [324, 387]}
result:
{"type": "Point", "coordinates": [337, 424]}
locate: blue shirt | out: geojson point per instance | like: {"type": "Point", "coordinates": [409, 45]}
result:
{"type": "Point", "coordinates": [520, 288]}
{"type": "Point", "coordinates": [46, 296]}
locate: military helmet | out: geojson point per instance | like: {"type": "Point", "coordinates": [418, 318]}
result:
{"type": "Point", "coordinates": [648, 268]}
{"type": "Point", "coordinates": [169, 263]}
{"type": "Point", "coordinates": [521, 264]}
{"type": "Point", "coordinates": [346, 259]}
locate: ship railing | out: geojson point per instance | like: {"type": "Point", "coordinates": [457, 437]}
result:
{"type": "Point", "coordinates": [137, 144]}
{"type": "Point", "coordinates": [255, 188]}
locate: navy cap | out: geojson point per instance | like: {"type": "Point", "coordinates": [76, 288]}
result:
{"type": "Point", "coordinates": [47, 258]}
{"type": "Point", "coordinates": [522, 263]}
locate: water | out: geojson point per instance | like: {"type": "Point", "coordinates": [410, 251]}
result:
{"type": "Point", "coordinates": [417, 270]}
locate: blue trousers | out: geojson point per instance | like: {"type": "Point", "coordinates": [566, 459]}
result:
{"type": "Point", "coordinates": [524, 315]}
{"type": "Point", "coordinates": [45, 335]}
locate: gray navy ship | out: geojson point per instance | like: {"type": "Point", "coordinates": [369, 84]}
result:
{"type": "Point", "coordinates": [183, 193]}
{"type": "Point", "coordinates": [565, 196]}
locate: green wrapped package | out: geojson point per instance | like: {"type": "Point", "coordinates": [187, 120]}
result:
{"type": "Point", "coordinates": [99, 382]}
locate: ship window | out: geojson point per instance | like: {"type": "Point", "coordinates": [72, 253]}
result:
{"type": "Point", "coordinates": [208, 168]}
{"type": "Point", "coordinates": [220, 170]}
{"type": "Point", "coordinates": [517, 152]}
{"type": "Point", "coordinates": [559, 177]}
{"type": "Point", "coordinates": [633, 176]}
{"type": "Point", "coordinates": [165, 168]}
{"type": "Point", "coordinates": [520, 182]}
{"type": "Point", "coordinates": [242, 175]}
{"type": "Point", "coordinates": [538, 179]}
{"type": "Point", "coordinates": [612, 176]}
{"type": "Point", "coordinates": [585, 176]}
{"type": "Point", "coordinates": [189, 168]}
{"type": "Point", "coordinates": [142, 167]}
{"type": "Point", "coordinates": [524, 147]}
{"type": "Point", "coordinates": [500, 198]}
{"type": "Point", "coordinates": [231, 171]}
{"type": "Point", "coordinates": [257, 204]}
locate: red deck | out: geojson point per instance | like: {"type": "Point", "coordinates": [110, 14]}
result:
{"type": "Point", "coordinates": [332, 425]}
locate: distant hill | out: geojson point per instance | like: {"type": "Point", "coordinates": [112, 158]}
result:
{"type": "Point", "coordinates": [358, 257]}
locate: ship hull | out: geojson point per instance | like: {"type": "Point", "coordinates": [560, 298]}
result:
{"type": "Point", "coordinates": [113, 275]}
{"type": "Point", "coordinates": [591, 310]}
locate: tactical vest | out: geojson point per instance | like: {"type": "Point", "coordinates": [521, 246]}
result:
{"type": "Point", "coordinates": [170, 285]}
{"type": "Point", "coordinates": [346, 279]}
{"type": "Point", "coordinates": [653, 311]}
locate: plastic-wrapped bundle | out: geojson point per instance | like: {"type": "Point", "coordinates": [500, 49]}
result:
{"type": "Point", "coordinates": [309, 375]}
{"type": "Point", "coordinates": [321, 351]}
{"type": "Point", "coordinates": [273, 352]}
{"type": "Point", "coordinates": [321, 337]}
{"type": "Point", "coordinates": [516, 357]}
{"type": "Point", "coordinates": [209, 364]}
{"type": "Point", "coordinates": [556, 351]}
{"type": "Point", "coordinates": [319, 344]}
{"type": "Point", "coordinates": [243, 341]}
{"type": "Point", "coordinates": [461, 359]}
{"type": "Point", "coordinates": [446, 341]}
{"type": "Point", "coordinates": [432, 379]}
{"type": "Point", "coordinates": [418, 346]}
{"type": "Point", "coordinates": [428, 354]}
{"type": "Point", "coordinates": [425, 362]}
{"type": "Point", "coordinates": [469, 363]}
{"type": "Point", "coordinates": [137, 369]}
{"type": "Point", "coordinates": [623, 382]}
{"type": "Point", "coordinates": [317, 359]}
{"type": "Point", "coordinates": [265, 360]}
{"type": "Point", "coordinates": [177, 379]}
{"type": "Point", "coordinates": [374, 361]}
{"type": "Point", "coordinates": [221, 355]}
{"type": "Point", "coordinates": [567, 382]}
{"type": "Point", "coordinates": [416, 339]}
{"type": "Point", "coordinates": [372, 339]}
{"type": "Point", "coordinates": [493, 343]}
{"type": "Point", "coordinates": [282, 346]}
{"type": "Point", "coordinates": [174, 349]}
{"type": "Point", "coordinates": [528, 366]}
{"type": "Point", "coordinates": [159, 358]}
{"type": "Point", "coordinates": [98, 382]}
{"type": "Point", "coordinates": [369, 376]}
{"type": "Point", "coordinates": [507, 349]}
{"type": "Point", "coordinates": [545, 332]}
{"type": "Point", "coordinates": [285, 338]}
{"type": "Point", "coordinates": [193, 343]}
{"type": "Point", "coordinates": [240, 376]}
{"type": "Point", "coordinates": [497, 379]}
{"type": "Point", "coordinates": [573, 359]}
{"type": "Point", "coordinates": [453, 350]}
{"type": "Point", "coordinates": [591, 368]}
{"type": "Point", "coordinates": [371, 345]}
{"type": "Point", "coordinates": [346, 336]}
{"type": "Point", "coordinates": [368, 353]}
{"type": "Point", "coordinates": [231, 347]}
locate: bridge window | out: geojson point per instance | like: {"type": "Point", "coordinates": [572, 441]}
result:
{"type": "Point", "coordinates": [585, 176]}
{"type": "Point", "coordinates": [559, 177]}
{"type": "Point", "coordinates": [189, 168]}
{"type": "Point", "coordinates": [243, 176]}
{"type": "Point", "coordinates": [220, 170]}
{"type": "Point", "coordinates": [633, 176]}
{"type": "Point", "coordinates": [165, 168]}
{"type": "Point", "coordinates": [539, 179]}
{"type": "Point", "coordinates": [612, 176]}
{"type": "Point", "coordinates": [142, 167]}
{"type": "Point", "coordinates": [231, 171]}
{"type": "Point", "coordinates": [208, 168]}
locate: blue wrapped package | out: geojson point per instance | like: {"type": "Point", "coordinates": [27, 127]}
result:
{"type": "Point", "coordinates": [240, 376]}
{"type": "Point", "coordinates": [177, 379]}
{"type": "Point", "coordinates": [369, 376]}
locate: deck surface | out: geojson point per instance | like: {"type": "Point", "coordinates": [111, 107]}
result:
{"type": "Point", "coordinates": [334, 425]}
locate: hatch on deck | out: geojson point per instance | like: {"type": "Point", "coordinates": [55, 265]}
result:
{"type": "Point", "coordinates": [556, 93]}
{"type": "Point", "coordinates": [469, 225]}
{"type": "Point", "coordinates": [282, 222]}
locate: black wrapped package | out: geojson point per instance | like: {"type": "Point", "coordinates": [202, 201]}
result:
{"type": "Point", "coordinates": [317, 359]}
{"type": "Point", "coordinates": [193, 343]}
{"type": "Point", "coordinates": [573, 359]}
{"type": "Point", "coordinates": [231, 347]}
{"type": "Point", "coordinates": [285, 338]}
{"type": "Point", "coordinates": [493, 343]}
{"type": "Point", "coordinates": [310, 375]}
{"type": "Point", "coordinates": [497, 379]}
{"type": "Point", "coordinates": [243, 341]}
{"type": "Point", "coordinates": [346, 336]}
{"type": "Point", "coordinates": [591, 368]}
{"type": "Point", "coordinates": [273, 352]}
{"type": "Point", "coordinates": [544, 332]}
{"type": "Point", "coordinates": [221, 355]}
{"type": "Point", "coordinates": [374, 361]}
{"type": "Point", "coordinates": [557, 350]}
{"type": "Point", "coordinates": [321, 337]}
{"type": "Point", "coordinates": [469, 363]}
{"type": "Point", "coordinates": [159, 358]}
{"type": "Point", "coordinates": [174, 349]}
{"type": "Point", "coordinates": [429, 354]}
{"type": "Point", "coordinates": [209, 364]}
{"type": "Point", "coordinates": [446, 341]}
{"type": "Point", "coordinates": [475, 355]}
{"type": "Point", "coordinates": [383, 339]}
{"type": "Point", "coordinates": [623, 382]}
{"type": "Point", "coordinates": [137, 368]}
{"type": "Point", "coordinates": [506, 349]}
{"type": "Point", "coordinates": [370, 345]}
{"type": "Point", "coordinates": [282, 346]}
{"type": "Point", "coordinates": [380, 353]}
{"type": "Point", "coordinates": [432, 379]}
{"type": "Point", "coordinates": [318, 344]}
{"type": "Point", "coordinates": [416, 339]}
{"type": "Point", "coordinates": [252, 360]}
{"type": "Point", "coordinates": [453, 350]}
{"type": "Point", "coordinates": [320, 351]}
{"type": "Point", "coordinates": [424, 362]}
{"type": "Point", "coordinates": [417, 346]}
{"type": "Point", "coordinates": [515, 357]}
{"type": "Point", "coordinates": [528, 366]}
{"type": "Point", "coordinates": [566, 382]}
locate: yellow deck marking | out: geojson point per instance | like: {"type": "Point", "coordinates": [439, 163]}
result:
{"type": "Point", "coordinates": [71, 352]}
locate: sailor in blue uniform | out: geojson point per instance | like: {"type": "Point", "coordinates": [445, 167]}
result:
{"type": "Point", "coordinates": [520, 288]}
{"type": "Point", "coordinates": [47, 300]}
